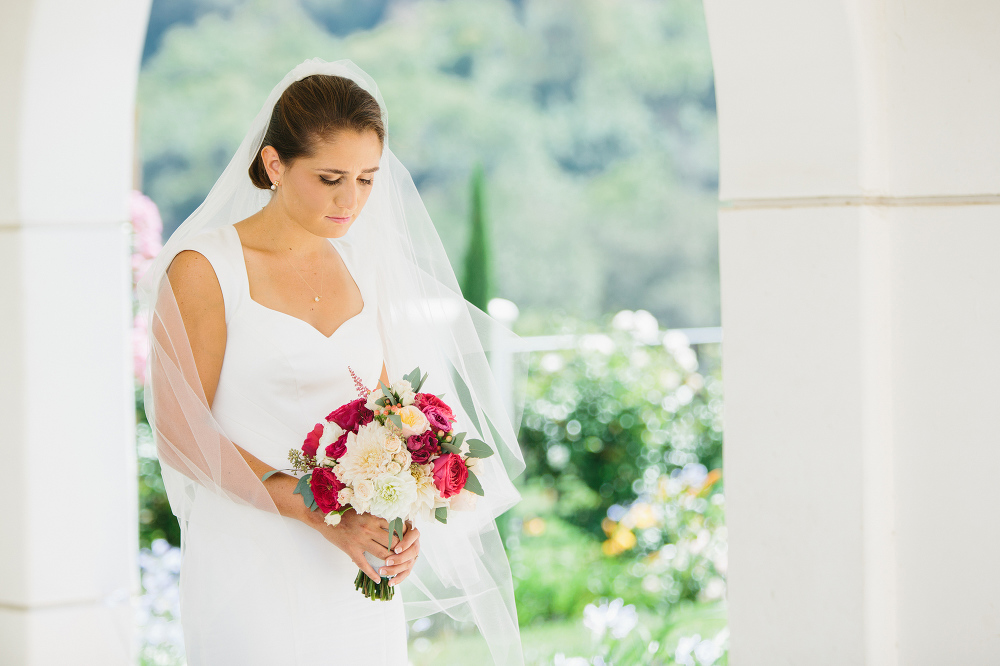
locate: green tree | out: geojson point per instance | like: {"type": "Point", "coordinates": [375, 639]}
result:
{"type": "Point", "coordinates": [477, 286]}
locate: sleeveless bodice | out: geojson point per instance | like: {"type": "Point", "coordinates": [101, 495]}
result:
{"type": "Point", "coordinates": [280, 376]}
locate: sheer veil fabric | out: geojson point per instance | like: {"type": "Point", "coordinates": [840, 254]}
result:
{"type": "Point", "coordinates": [424, 321]}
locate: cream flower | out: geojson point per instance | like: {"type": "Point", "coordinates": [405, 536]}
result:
{"type": "Point", "coordinates": [372, 397]}
{"type": "Point", "coordinates": [364, 490]}
{"type": "Point", "coordinates": [394, 495]}
{"type": "Point", "coordinates": [427, 492]}
{"type": "Point", "coordinates": [393, 468]}
{"type": "Point", "coordinates": [366, 455]}
{"type": "Point", "coordinates": [414, 421]}
{"type": "Point", "coordinates": [404, 390]}
{"type": "Point", "coordinates": [393, 445]}
{"type": "Point", "coordinates": [345, 496]}
{"type": "Point", "coordinates": [463, 501]}
{"type": "Point", "coordinates": [332, 518]}
{"type": "Point", "coordinates": [331, 433]}
{"type": "Point", "coordinates": [404, 459]}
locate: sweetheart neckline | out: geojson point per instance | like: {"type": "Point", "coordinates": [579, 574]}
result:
{"type": "Point", "coordinates": [246, 278]}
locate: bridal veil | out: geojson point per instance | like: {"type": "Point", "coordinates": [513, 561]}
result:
{"type": "Point", "coordinates": [424, 320]}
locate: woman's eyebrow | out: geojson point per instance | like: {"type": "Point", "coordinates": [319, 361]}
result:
{"type": "Point", "coordinates": [340, 172]}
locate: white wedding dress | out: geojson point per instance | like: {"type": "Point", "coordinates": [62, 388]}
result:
{"type": "Point", "coordinates": [240, 603]}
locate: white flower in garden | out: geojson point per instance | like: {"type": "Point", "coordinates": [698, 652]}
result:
{"type": "Point", "coordinates": [404, 390]}
{"type": "Point", "coordinates": [394, 495]}
{"type": "Point", "coordinates": [616, 617]}
{"type": "Point", "coordinates": [414, 421]}
{"type": "Point", "coordinates": [332, 518]}
{"type": "Point", "coordinates": [366, 455]}
{"type": "Point", "coordinates": [331, 433]}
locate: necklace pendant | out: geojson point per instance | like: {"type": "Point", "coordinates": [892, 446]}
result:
{"type": "Point", "coordinates": [317, 299]}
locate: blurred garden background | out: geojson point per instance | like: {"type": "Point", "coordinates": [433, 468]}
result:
{"type": "Point", "coordinates": [567, 152]}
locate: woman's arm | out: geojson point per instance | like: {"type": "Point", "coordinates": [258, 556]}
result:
{"type": "Point", "coordinates": [202, 317]}
{"type": "Point", "coordinates": [203, 312]}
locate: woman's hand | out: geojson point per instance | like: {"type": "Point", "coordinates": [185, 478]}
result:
{"type": "Point", "coordinates": [355, 534]}
{"type": "Point", "coordinates": [401, 563]}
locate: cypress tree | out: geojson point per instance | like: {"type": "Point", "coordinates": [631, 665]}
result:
{"type": "Point", "coordinates": [477, 284]}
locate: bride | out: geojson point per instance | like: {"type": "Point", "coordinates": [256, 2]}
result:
{"type": "Point", "coordinates": [311, 258]}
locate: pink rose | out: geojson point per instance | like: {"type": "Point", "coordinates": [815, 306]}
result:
{"type": "Point", "coordinates": [423, 447]}
{"type": "Point", "coordinates": [437, 412]}
{"type": "Point", "coordinates": [312, 441]}
{"type": "Point", "coordinates": [351, 416]}
{"type": "Point", "coordinates": [326, 488]}
{"type": "Point", "coordinates": [338, 448]}
{"type": "Point", "coordinates": [450, 474]}
{"type": "Point", "coordinates": [422, 400]}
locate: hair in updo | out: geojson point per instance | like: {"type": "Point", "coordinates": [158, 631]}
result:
{"type": "Point", "coordinates": [312, 109]}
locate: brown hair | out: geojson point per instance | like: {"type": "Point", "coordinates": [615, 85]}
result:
{"type": "Point", "coordinates": [315, 108]}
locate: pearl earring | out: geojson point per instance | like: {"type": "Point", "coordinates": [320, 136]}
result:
{"type": "Point", "coordinates": [274, 185]}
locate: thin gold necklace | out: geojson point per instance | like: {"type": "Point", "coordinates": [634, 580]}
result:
{"type": "Point", "coordinates": [322, 278]}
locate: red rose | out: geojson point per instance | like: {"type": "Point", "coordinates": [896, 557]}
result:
{"type": "Point", "coordinates": [351, 416]}
{"type": "Point", "coordinates": [450, 474]}
{"type": "Point", "coordinates": [312, 441]}
{"type": "Point", "coordinates": [326, 487]}
{"type": "Point", "coordinates": [423, 447]}
{"type": "Point", "coordinates": [338, 448]}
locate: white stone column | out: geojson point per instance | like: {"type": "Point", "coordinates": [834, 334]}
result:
{"type": "Point", "coordinates": [859, 242]}
{"type": "Point", "coordinates": [68, 494]}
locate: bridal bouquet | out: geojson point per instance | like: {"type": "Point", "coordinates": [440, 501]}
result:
{"type": "Point", "coordinates": [393, 453]}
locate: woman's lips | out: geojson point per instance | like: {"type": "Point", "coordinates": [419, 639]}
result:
{"type": "Point", "coordinates": [339, 220]}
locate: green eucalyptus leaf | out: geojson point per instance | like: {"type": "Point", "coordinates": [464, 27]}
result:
{"type": "Point", "coordinates": [473, 486]}
{"type": "Point", "coordinates": [441, 513]}
{"type": "Point", "coordinates": [387, 391]}
{"type": "Point", "coordinates": [449, 446]}
{"type": "Point", "coordinates": [456, 439]}
{"type": "Point", "coordinates": [416, 389]}
{"type": "Point", "coordinates": [479, 449]}
{"type": "Point", "coordinates": [395, 418]}
{"type": "Point", "coordinates": [268, 475]}
{"type": "Point", "coordinates": [303, 488]}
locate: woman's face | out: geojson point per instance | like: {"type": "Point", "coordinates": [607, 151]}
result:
{"type": "Point", "coordinates": [325, 192]}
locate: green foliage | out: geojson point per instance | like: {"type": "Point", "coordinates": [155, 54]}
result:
{"type": "Point", "coordinates": [477, 284]}
{"type": "Point", "coordinates": [614, 420]}
{"type": "Point", "coordinates": [594, 119]}
{"type": "Point", "coordinates": [156, 521]}
{"type": "Point", "coordinates": [619, 437]}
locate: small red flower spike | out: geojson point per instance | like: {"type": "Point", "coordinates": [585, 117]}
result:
{"type": "Point", "coordinates": [362, 391]}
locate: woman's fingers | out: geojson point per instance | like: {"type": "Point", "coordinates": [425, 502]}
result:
{"type": "Point", "coordinates": [411, 536]}
{"type": "Point", "coordinates": [366, 566]}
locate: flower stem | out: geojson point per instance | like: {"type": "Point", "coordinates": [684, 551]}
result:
{"type": "Point", "coordinates": [381, 590]}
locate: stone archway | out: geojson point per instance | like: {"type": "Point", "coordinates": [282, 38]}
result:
{"type": "Point", "coordinates": [68, 496]}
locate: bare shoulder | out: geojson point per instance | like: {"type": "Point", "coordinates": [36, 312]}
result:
{"type": "Point", "coordinates": [193, 278]}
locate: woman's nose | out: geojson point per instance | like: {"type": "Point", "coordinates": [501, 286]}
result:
{"type": "Point", "coordinates": [347, 196]}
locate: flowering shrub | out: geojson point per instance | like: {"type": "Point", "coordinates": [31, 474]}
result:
{"type": "Point", "coordinates": [161, 641]}
{"type": "Point", "coordinates": [623, 442]}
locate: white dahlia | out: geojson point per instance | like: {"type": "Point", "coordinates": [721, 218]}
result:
{"type": "Point", "coordinates": [427, 492]}
{"type": "Point", "coordinates": [394, 495]}
{"type": "Point", "coordinates": [366, 455]}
